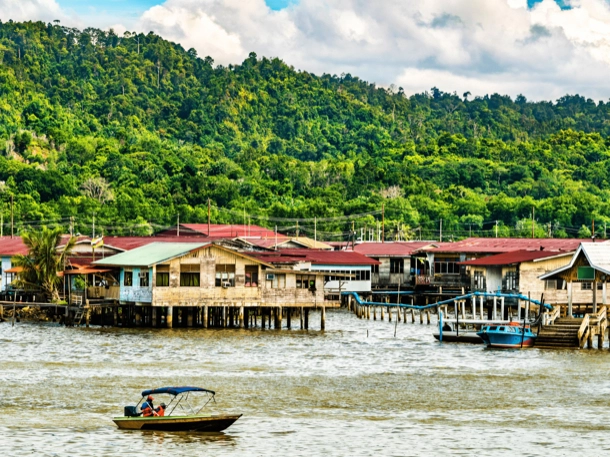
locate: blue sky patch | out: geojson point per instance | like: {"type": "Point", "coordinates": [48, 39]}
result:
{"type": "Point", "coordinates": [563, 4]}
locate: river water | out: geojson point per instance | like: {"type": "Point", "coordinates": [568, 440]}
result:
{"type": "Point", "coordinates": [354, 390]}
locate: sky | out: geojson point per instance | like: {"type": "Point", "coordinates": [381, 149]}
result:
{"type": "Point", "coordinates": [543, 49]}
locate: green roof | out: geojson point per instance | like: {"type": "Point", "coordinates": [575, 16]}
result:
{"type": "Point", "coordinates": [150, 254]}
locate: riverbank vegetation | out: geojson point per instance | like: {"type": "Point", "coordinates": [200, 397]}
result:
{"type": "Point", "coordinates": [134, 130]}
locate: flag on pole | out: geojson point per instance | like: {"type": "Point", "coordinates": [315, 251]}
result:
{"type": "Point", "coordinates": [97, 242]}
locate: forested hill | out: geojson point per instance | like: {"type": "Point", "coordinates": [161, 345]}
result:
{"type": "Point", "coordinates": [137, 130]}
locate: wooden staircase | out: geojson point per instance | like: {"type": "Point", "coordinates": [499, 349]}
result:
{"type": "Point", "coordinates": [562, 334]}
{"type": "Point", "coordinates": [570, 332]}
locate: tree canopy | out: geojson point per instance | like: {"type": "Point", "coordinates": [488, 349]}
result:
{"type": "Point", "coordinates": [134, 130]}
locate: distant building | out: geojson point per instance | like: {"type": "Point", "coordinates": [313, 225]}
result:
{"type": "Point", "coordinates": [397, 266]}
{"type": "Point", "coordinates": [343, 270]}
{"type": "Point", "coordinates": [9, 247]}
{"type": "Point", "coordinates": [583, 279]}
{"type": "Point", "coordinates": [206, 274]}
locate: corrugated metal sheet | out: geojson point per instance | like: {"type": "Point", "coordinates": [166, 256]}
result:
{"type": "Point", "coordinates": [499, 245]}
{"type": "Point", "coordinates": [316, 257]}
{"type": "Point", "coordinates": [151, 254]}
{"type": "Point", "coordinates": [12, 246]}
{"type": "Point", "coordinates": [509, 258]}
{"type": "Point", "coordinates": [220, 230]}
{"type": "Point", "coordinates": [398, 249]}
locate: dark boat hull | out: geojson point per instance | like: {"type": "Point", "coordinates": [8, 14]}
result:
{"type": "Point", "coordinates": [213, 423]}
{"type": "Point", "coordinates": [462, 337]}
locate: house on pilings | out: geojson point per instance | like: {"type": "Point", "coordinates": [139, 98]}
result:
{"type": "Point", "coordinates": [582, 284]}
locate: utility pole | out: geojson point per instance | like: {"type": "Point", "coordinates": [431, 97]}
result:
{"type": "Point", "coordinates": [208, 217]}
{"type": "Point", "coordinates": [178, 226]}
{"type": "Point", "coordinates": [383, 222]}
{"type": "Point", "coordinates": [496, 228]}
{"type": "Point", "coordinates": [93, 226]}
{"type": "Point", "coordinates": [297, 228]}
{"type": "Point", "coordinates": [12, 218]}
{"type": "Point", "coordinates": [315, 232]}
{"type": "Point", "coordinates": [593, 227]}
{"type": "Point", "coordinates": [533, 222]}
{"type": "Point", "coordinates": [353, 235]}
{"type": "Point", "coordinates": [441, 232]}
{"type": "Point", "coordinates": [275, 238]}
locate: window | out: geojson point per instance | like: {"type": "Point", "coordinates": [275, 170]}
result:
{"type": "Point", "coordinates": [511, 280]}
{"type": "Point", "coordinates": [397, 266]}
{"type": "Point", "coordinates": [189, 275]}
{"type": "Point", "coordinates": [128, 280]}
{"type": "Point", "coordinates": [225, 275]}
{"type": "Point", "coordinates": [162, 277]}
{"type": "Point", "coordinates": [479, 281]}
{"type": "Point", "coordinates": [446, 266]}
{"type": "Point", "coordinates": [144, 278]}
{"type": "Point", "coordinates": [550, 284]}
{"type": "Point", "coordinates": [278, 281]}
{"type": "Point", "coordinates": [362, 275]}
{"type": "Point", "coordinates": [251, 276]}
{"type": "Point", "coordinates": [586, 286]}
{"type": "Point", "coordinates": [375, 268]}
{"type": "Point", "coordinates": [306, 282]}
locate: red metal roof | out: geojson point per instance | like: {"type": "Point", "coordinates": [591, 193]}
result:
{"type": "Point", "coordinates": [127, 243]}
{"type": "Point", "coordinates": [499, 245]}
{"type": "Point", "coordinates": [315, 256]}
{"type": "Point", "coordinates": [219, 230]}
{"type": "Point", "coordinates": [12, 246]}
{"type": "Point", "coordinates": [398, 249]}
{"type": "Point", "coordinates": [509, 258]}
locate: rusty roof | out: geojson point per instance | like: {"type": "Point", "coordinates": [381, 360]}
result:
{"type": "Point", "coordinates": [499, 245]}
{"type": "Point", "coordinates": [12, 246]}
{"type": "Point", "coordinates": [315, 256]}
{"type": "Point", "coordinates": [219, 230]}
{"type": "Point", "coordinates": [510, 258]}
{"type": "Point", "coordinates": [394, 249]}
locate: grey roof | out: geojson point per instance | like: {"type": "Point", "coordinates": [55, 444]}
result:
{"type": "Point", "coordinates": [597, 254]}
{"type": "Point", "coordinates": [150, 254]}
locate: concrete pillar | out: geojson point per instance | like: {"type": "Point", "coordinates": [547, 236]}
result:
{"type": "Point", "coordinates": [224, 316]}
{"type": "Point", "coordinates": [494, 315]}
{"type": "Point", "coordinates": [482, 303]}
{"type": "Point", "coordinates": [241, 317]}
{"type": "Point", "coordinates": [306, 318]}
{"type": "Point", "coordinates": [205, 316]}
{"type": "Point", "coordinates": [154, 317]}
{"type": "Point", "coordinates": [302, 318]}
{"type": "Point", "coordinates": [604, 292]}
{"type": "Point", "coordinates": [502, 308]}
{"type": "Point", "coordinates": [138, 310]}
{"type": "Point", "coordinates": [169, 317]}
{"type": "Point", "coordinates": [115, 315]}
{"type": "Point", "coordinates": [288, 313]}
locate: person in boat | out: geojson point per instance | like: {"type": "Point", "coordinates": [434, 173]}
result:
{"type": "Point", "coordinates": [148, 409]}
{"type": "Point", "coordinates": [447, 327]}
{"type": "Point", "coordinates": [160, 410]}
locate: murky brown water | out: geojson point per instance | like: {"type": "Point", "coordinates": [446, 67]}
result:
{"type": "Point", "coordinates": [338, 393]}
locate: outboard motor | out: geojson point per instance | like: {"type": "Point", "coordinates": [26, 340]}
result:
{"type": "Point", "coordinates": [131, 411]}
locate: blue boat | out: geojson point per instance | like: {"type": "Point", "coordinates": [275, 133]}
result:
{"type": "Point", "coordinates": [512, 335]}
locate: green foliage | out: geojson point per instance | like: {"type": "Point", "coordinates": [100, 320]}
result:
{"type": "Point", "coordinates": [134, 130]}
{"type": "Point", "coordinates": [43, 260]}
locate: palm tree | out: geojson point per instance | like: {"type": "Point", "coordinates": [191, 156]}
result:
{"type": "Point", "coordinates": [43, 260]}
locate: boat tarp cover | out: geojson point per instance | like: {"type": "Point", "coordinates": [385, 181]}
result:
{"type": "Point", "coordinates": [175, 390]}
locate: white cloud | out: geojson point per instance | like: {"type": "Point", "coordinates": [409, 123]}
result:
{"type": "Point", "coordinates": [479, 46]}
{"type": "Point", "coordinates": [28, 10]}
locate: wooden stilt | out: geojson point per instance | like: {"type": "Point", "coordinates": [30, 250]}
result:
{"type": "Point", "coordinates": [302, 318]}
{"type": "Point", "coordinates": [412, 316]}
{"type": "Point", "coordinates": [306, 318]}
{"type": "Point", "coordinates": [381, 317]}
{"type": "Point", "coordinates": [288, 313]}
{"type": "Point", "coordinates": [169, 319]}
{"type": "Point", "coordinates": [323, 318]}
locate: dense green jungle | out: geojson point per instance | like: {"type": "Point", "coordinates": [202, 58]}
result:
{"type": "Point", "coordinates": [134, 131]}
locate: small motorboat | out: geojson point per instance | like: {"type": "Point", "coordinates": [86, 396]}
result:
{"type": "Point", "coordinates": [177, 416]}
{"type": "Point", "coordinates": [464, 336]}
{"type": "Point", "coordinates": [513, 335]}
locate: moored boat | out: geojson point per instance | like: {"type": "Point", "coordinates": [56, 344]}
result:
{"type": "Point", "coordinates": [512, 335]}
{"type": "Point", "coordinates": [177, 415]}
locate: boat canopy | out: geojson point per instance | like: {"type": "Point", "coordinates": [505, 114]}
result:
{"type": "Point", "coordinates": [175, 390]}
